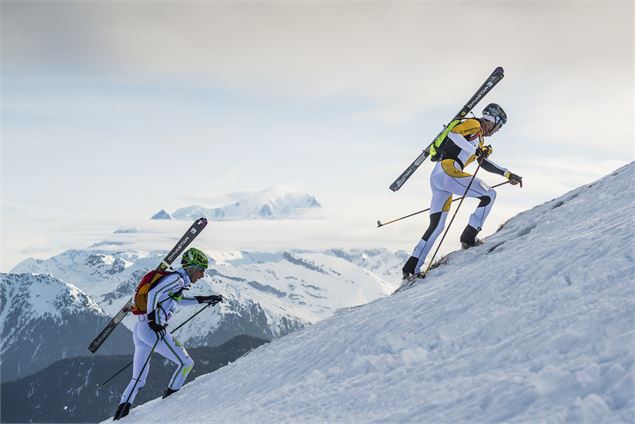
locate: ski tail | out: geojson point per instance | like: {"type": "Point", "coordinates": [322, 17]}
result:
{"type": "Point", "coordinates": [101, 338]}
{"type": "Point", "coordinates": [401, 180]}
{"type": "Point", "coordinates": [487, 86]}
{"type": "Point", "coordinates": [187, 238]}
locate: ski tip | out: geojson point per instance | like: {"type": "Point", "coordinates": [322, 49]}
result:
{"type": "Point", "coordinates": [394, 187]}
{"type": "Point", "coordinates": [379, 224]}
{"type": "Point", "coordinates": [499, 70]}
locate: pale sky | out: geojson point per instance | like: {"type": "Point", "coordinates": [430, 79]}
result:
{"type": "Point", "coordinates": [114, 110]}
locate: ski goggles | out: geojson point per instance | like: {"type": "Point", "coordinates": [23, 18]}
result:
{"type": "Point", "coordinates": [496, 120]}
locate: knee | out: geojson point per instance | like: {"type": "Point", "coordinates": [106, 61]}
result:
{"type": "Point", "coordinates": [436, 224]}
{"type": "Point", "coordinates": [188, 363]}
{"type": "Point", "coordinates": [487, 199]}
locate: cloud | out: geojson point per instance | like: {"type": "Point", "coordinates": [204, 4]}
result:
{"type": "Point", "coordinates": [396, 50]}
{"type": "Point", "coordinates": [364, 86]}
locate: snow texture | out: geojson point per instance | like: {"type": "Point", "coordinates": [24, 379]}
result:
{"type": "Point", "coordinates": [536, 325]}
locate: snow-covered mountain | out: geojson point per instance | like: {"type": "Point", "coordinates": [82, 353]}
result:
{"type": "Point", "coordinates": [162, 214]}
{"type": "Point", "coordinates": [44, 320]}
{"type": "Point", "coordinates": [275, 203]}
{"type": "Point", "coordinates": [536, 325]}
{"type": "Point", "coordinates": [269, 294]}
{"type": "Point", "coordinates": [70, 390]}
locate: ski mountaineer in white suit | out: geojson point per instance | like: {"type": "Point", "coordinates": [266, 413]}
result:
{"type": "Point", "coordinates": [464, 143]}
{"type": "Point", "coordinates": [151, 328]}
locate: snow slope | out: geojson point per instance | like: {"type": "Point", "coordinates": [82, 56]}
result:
{"type": "Point", "coordinates": [536, 325]}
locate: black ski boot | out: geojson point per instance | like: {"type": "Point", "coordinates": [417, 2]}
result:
{"type": "Point", "coordinates": [468, 238]}
{"type": "Point", "coordinates": [168, 392]}
{"type": "Point", "coordinates": [408, 269]}
{"type": "Point", "coordinates": [122, 411]}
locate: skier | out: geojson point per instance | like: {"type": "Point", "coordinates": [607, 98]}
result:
{"type": "Point", "coordinates": [151, 329]}
{"type": "Point", "coordinates": [464, 143]}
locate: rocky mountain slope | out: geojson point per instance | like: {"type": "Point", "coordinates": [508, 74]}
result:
{"type": "Point", "coordinates": [67, 391]}
{"type": "Point", "coordinates": [268, 294]}
{"type": "Point", "coordinates": [44, 319]}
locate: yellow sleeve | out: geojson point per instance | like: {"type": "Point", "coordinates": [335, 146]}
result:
{"type": "Point", "coordinates": [467, 127]}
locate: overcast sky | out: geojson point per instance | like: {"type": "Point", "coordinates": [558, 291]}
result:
{"type": "Point", "coordinates": [114, 110]}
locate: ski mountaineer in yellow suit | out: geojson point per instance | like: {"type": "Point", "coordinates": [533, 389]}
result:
{"type": "Point", "coordinates": [463, 144]}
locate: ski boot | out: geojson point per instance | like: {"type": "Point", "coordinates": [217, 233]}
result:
{"type": "Point", "coordinates": [478, 242]}
{"type": "Point", "coordinates": [408, 269]}
{"type": "Point", "coordinates": [468, 238]}
{"type": "Point", "coordinates": [168, 392]}
{"type": "Point", "coordinates": [122, 411]}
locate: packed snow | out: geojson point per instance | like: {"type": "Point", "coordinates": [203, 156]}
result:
{"type": "Point", "coordinates": [536, 325]}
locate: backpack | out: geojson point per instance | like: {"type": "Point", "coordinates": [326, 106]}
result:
{"type": "Point", "coordinates": [436, 148]}
{"type": "Point", "coordinates": [147, 283]}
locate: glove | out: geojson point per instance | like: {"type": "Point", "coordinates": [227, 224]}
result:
{"type": "Point", "coordinates": [211, 300]}
{"type": "Point", "coordinates": [483, 152]}
{"type": "Point", "coordinates": [514, 179]}
{"type": "Point", "coordinates": [158, 329]}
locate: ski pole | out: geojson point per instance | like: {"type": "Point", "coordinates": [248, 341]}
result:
{"type": "Point", "coordinates": [174, 331]}
{"type": "Point", "coordinates": [452, 220]}
{"type": "Point", "coordinates": [381, 224]}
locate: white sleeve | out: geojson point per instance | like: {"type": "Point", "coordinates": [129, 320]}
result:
{"type": "Point", "coordinates": [169, 283]}
{"type": "Point", "coordinates": [188, 301]}
{"type": "Point", "coordinates": [462, 143]}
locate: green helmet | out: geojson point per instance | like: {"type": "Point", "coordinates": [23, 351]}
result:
{"type": "Point", "coordinates": [194, 257]}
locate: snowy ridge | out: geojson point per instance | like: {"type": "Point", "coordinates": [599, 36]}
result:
{"type": "Point", "coordinates": [536, 325]}
{"type": "Point", "coordinates": [274, 203]}
{"type": "Point", "coordinates": [268, 294]}
{"type": "Point", "coordinates": [43, 319]}
{"type": "Point", "coordinates": [44, 295]}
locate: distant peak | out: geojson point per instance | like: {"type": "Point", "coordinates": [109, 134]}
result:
{"type": "Point", "coordinates": [162, 214]}
{"type": "Point", "coordinates": [279, 202]}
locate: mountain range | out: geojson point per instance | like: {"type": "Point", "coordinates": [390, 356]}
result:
{"type": "Point", "coordinates": [44, 319]}
{"type": "Point", "coordinates": [275, 203]}
{"type": "Point", "coordinates": [70, 390]}
{"type": "Point", "coordinates": [268, 295]}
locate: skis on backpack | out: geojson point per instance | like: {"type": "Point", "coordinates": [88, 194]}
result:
{"type": "Point", "coordinates": [487, 86]}
{"type": "Point", "coordinates": [182, 244]}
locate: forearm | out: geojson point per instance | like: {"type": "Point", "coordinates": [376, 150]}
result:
{"type": "Point", "coordinates": [188, 301]}
{"type": "Point", "coordinates": [490, 166]}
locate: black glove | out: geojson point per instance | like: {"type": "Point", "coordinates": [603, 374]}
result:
{"type": "Point", "coordinates": [483, 152]}
{"type": "Point", "coordinates": [158, 329]}
{"type": "Point", "coordinates": [213, 299]}
{"type": "Point", "coordinates": [514, 179]}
